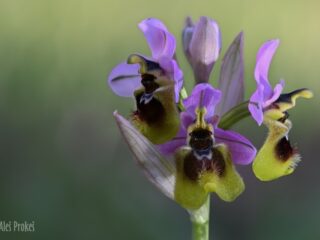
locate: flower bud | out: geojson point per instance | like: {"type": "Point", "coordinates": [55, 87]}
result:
{"type": "Point", "coordinates": [202, 44]}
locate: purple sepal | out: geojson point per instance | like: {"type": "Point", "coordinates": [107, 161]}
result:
{"type": "Point", "coordinates": [242, 150]}
{"type": "Point", "coordinates": [231, 77]}
{"type": "Point", "coordinates": [203, 95]}
{"type": "Point", "coordinates": [161, 42]}
{"type": "Point", "coordinates": [124, 79]}
{"type": "Point", "coordinates": [264, 95]}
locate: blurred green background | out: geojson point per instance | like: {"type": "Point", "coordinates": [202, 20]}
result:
{"type": "Point", "coordinates": [63, 163]}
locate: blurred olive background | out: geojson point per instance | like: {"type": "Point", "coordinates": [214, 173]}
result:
{"type": "Point", "coordinates": [63, 163]}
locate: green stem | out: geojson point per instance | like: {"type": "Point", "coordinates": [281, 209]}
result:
{"type": "Point", "coordinates": [200, 222]}
{"type": "Point", "coordinates": [234, 115]}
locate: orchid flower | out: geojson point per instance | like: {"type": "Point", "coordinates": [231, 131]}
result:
{"type": "Point", "coordinates": [205, 153]}
{"type": "Point", "coordinates": [125, 78]}
{"type": "Point", "coordinates": [276, 157]}
{"type": "Point", "coordinates": [154, 82]}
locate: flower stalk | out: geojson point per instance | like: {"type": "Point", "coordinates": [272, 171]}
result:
{"type": "Point", "coordinates": [200, 221]}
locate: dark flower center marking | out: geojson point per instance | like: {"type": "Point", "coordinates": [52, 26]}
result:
{"type": "Point", "coordinates": [287, 97]}
{"type": "Point", "coordinates": [148, 81]}
{"type": "Point", "coordinates": [152, 112]}
{"type": "Point", "coordinates": [283, 149]}
{"type": "Point", "coordinates": [284, 118]}
{"type": "Point", "coordinates": [152, 65]}
{"type": "Point", "coordinates": [204, 156]}
{"type": "Point", "coordinates": [201, 140]}
{"type": "Point", "coordinates": [149, 109]}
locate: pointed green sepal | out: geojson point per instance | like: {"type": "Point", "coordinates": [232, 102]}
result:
{"type": "Point", "coordinates": [159, 170]}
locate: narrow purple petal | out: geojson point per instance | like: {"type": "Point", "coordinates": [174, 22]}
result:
{"type": "Point", "coordinates": [186, 120]}
{"type": "Point", "coordinates": [255, 105]}
{"type": "Point", "coordinates": [203, 95]}
{"type": "Point", "coordinates": [264, 58]}
{"type": "Point", "coordinates": [171, 68]}
{"type": "Point", "coordinates": [187, 34]}
{"type": "Point", "coordinates": [242, 150]}
{"type": "Point", "coordinates": [231, 76]}
{"type": "Point", "coordinates": [180, 139]}
{"type": "Point", "coordinates": [276, 94]}
{"type": "Point", "coordinates": [124, 79]}
{"type": "Point", "coordinates": [161, 42]}
{"type": "Point", "coordinates": [171, 146]}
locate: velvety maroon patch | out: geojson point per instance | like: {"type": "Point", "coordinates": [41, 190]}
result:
{"type": "Point", "coordinates": [201, 139]}
{"type": "Point", "coordinates": [193, 167]}
{"type": "Point", "coordinates": [284, 149]}
{"type": "Point", "coordinates": [152, 112]}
